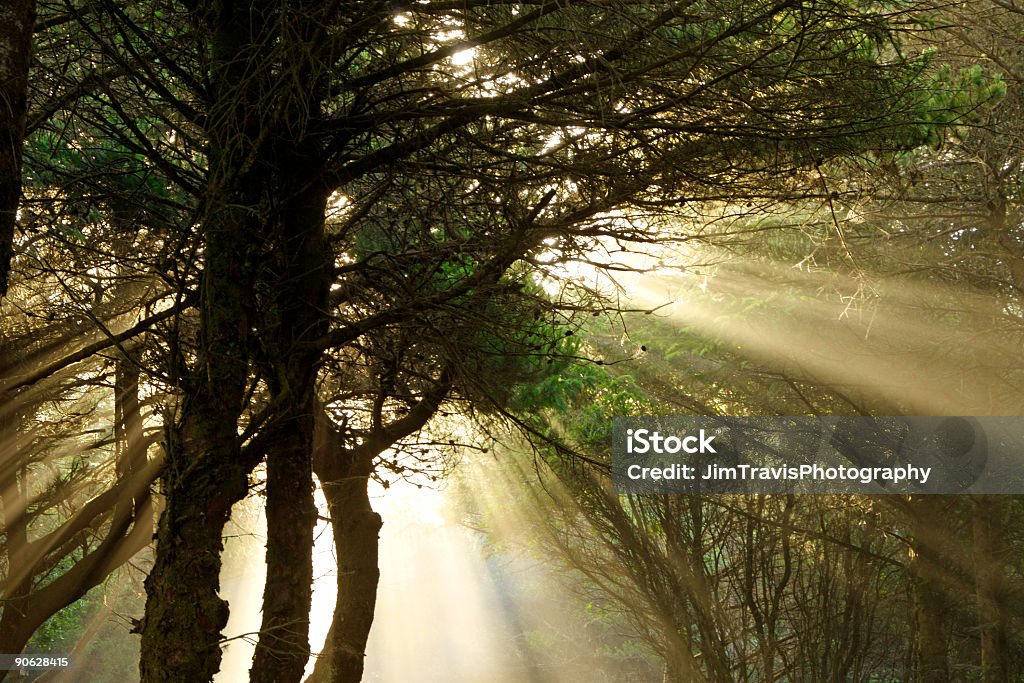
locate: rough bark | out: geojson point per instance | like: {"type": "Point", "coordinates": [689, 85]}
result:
{"type": "Point", "coordinates": [283, 647]}
{"type": "Point", "coordinates": [184, 614]}
{"type": "Point", "coordinates": [205, 474]}
{"type": "Point", "coordinates": [17, 17]}
{"type": "Point", "coordinates": [203, 478]}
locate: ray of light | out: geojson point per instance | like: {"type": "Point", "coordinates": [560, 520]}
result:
{"type": "Point", "coordinates": [439, 614]}
{"type": "Point", "coordinates": [913, 347]}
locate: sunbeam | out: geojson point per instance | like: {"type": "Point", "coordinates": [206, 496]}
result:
{"type": "Point", "coordinates": [902, 345]}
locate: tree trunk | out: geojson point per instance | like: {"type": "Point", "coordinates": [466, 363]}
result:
{"type": "Point", "coordinates": [283, 647]}
{"type": "Point", "coordinates": [301, 264]}
{"type": "Point", "coordinates": [204, 473]}
{"type": "Point", "coordinates": [932, 642]}
{"type": "Point", "coordinates": [930, 603]}
{"type": "Point", "coordinates": [988, 522]}
{"type": "Point", "coordinates": [17, 19]}
{"type": "Point", "coordinates": [344, 474]}
{"type": "Point", "coordinates": [184, 614]}
{"type": "Point", "coordinates": [678, 669]}
{"type": "Point", "coordinates": [15, 624]}
{"type": "Point", "coordinates": [130, 443]}
{"type": "Point", "coordinates": [356, 528]}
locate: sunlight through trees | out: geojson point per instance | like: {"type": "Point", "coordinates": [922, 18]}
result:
{"type": "Point", "coordinates": [259, 255]}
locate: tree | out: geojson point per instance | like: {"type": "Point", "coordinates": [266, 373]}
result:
{"type": "Point", "coordinates": [18, 21]}
{"type": "Point", "coordinates": [952, 213]}
{"type": "Point", "coordinates": [258, 114]}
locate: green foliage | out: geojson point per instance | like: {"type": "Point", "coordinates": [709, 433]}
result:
{"type": "Point", "coordinates": [63, 629]}
{"type": "Point", "coordinates": [582, 397]}
{"type": "Point", "coordinates": [956, 97]}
